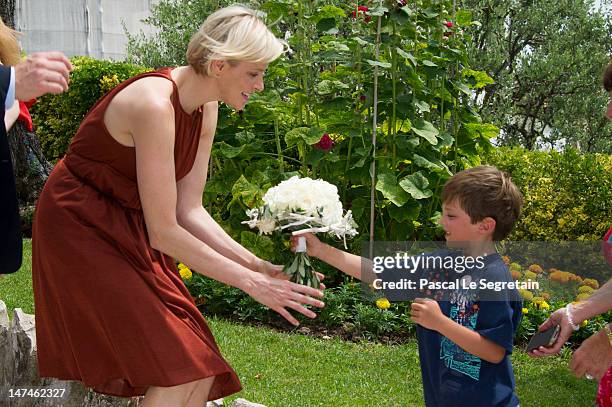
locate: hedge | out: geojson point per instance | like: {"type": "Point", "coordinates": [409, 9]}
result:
{"type": "Point", "coordinates": [568, 195]}
{"type": "Point", "coordinates": [57, 117]}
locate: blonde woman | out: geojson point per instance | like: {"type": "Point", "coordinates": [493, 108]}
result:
{"type": "Point", "coordinates": [125, 201]}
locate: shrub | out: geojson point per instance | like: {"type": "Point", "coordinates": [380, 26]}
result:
{"type": "Point", "coordinates": [567, 195]}
{"type": "Point", "coordinates": [57, 117]}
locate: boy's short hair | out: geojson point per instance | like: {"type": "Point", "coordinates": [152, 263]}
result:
{"type": "Point", "coordinates": [485, 191]}
{"type": "Point", "coordinates": [233, 34]}
{"type": "Point", "coordinates": [607, 78]}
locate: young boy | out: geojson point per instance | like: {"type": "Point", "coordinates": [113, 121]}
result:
{"type": "Point", "coordinates": [464, 344]}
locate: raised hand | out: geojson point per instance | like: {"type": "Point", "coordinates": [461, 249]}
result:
{"type": "Point", "coordinates": [40, 73]}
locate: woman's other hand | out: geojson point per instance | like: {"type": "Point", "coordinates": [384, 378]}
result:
{"type": "Point", "coordinates": [278, 295]}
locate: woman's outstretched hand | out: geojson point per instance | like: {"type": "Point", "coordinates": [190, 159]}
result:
{"type": "Point", "coordinates": [279, 294]}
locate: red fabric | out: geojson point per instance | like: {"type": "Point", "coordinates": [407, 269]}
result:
{"type": "Point", "coordinates": [111, 311]}
{"type": "Point", "coordinates": [24, 115]}
{"type": "Point", "coordinates": [606, 246]}
{"type": "Point", "coordinates": [604, 393]}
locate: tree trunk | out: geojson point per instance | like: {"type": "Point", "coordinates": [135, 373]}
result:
{"type": "Point", "coordinates": [30, 166]}
{"type": "Point", "coordinates": [31, 171]}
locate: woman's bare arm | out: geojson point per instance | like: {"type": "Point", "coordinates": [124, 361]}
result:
{"type": "Point", "coordinates": [151, 122]}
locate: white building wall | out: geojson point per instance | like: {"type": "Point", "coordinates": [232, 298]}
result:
{"type": "Point", "coordinates": [80, 27]}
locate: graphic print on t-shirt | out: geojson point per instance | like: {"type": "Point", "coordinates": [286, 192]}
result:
{"type": "Point", "coordinates": [464, 311]}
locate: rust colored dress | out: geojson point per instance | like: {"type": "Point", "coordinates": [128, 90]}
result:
{"type": "Point", "coordinates": [111, 311]}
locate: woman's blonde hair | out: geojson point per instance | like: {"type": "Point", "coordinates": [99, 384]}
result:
{"type": "Point", "coordinates": [9, 47]}
{"type": "Point", "coordinates": [233, 33]}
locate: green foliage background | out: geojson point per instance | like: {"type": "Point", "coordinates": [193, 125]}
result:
{"type": "Point", "coordinates": [568, 195]}
{"type": "Point", "coordinates": [57, 117]}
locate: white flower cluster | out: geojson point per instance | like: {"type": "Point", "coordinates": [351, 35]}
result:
{"type": "Point", "coordinates": [303, 204]}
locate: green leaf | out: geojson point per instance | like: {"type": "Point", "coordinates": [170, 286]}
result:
{"type": "Point", "coordinates": [379, 63]}
{"type": "Point", "coordinates": [230, 151]}
{"type": "Point", "coordinates": [325, 87]}
{"type": "Point", "coordinates": [416, 185]}
{"type": "Point", "coordinates": [261, 246]}
{"type": "Point", "coordinates": [463, 18]}
{"type": "Point", "coordinates": [427, 62]}
{"type": "Point", "coordinates": [407, 55]}
{"type": "Point", "coordinates": [426, 130]}
{"type": "Point", "coordinates": [462, 87]}
{"type": "Point", "coordinates": [361, 42]}
{"type": "Point", "coordinates": [407, 212]}
{"type": "Point", "coordinates": [429, 13]}
{"type": "Point", "coordinates": [387, 184]}
{"type": "Point", "coordinates": [480, 78]}
{"type": "Point", "coordinates": [362, 160]}
{"type": "Point", "coordinates": [245, 136]}
{"type": "Point", "coordinates": [425, 163]}
{"type": "Point", "coordinates": [329, 11]}
{"type": "Point", "coordinates": [486, 130]}
{"type": "Point", "coordinates": [248, 192]}
{"type": "Point", "coordinates": [307, 134]}
{"type": "Point", "coordinates": [377, 11]}
{"type": "Point", "coordinates": [445, 139]}
{"type": "Point", "coordinates": [326, 24]}
{"type": "Point", "coordinates": [338, 46]}
{"type": "Point", "coordinates": [422, 106]}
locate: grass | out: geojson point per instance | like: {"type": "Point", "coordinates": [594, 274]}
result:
{"type": "Point", "coordinates": [282, 369]}
{"type": "Point", "coordinates": [16, 288]}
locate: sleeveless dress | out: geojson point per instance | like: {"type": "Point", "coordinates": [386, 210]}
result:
{"type": "Point", "coordinates": [111, 311]}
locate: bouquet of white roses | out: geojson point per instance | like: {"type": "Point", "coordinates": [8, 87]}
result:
{"type": "Point", "coordinates": [301, 205]}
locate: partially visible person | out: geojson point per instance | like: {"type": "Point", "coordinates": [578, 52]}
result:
{"type": "Point", "coordinates": [40, 73]}
{"type": "Point", "coordinates": [593, 358]}
{"type": "Point", "coordinates": [464, 344]}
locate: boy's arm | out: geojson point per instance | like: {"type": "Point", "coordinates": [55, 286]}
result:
{"type": "Point", "coordinates": [427, 313]}
{"type": "Point", "coordinates": [472, 342]}
{"type": "Point", "coordinates": [346, 262]}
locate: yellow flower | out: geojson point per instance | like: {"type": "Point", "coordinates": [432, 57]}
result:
{"type": "Point", "coordinates": [383, 303]}
{"type": "Point", "coordinates": [584, 323]}
{"type": "Point", "coordinates": [526, 294]}
{"type": "Point", "coordinates": [583, 296]}
{"type": "Point", "coordinates": [543, 305]}
{"type": "Point", "coordinates": [536, 268]}
{"type": "Point", "coordinates": [525, 311]}
{"type": "Point", "coordinates": [184, 272]}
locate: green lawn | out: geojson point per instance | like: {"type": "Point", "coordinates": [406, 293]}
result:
{"type": "Point", "coordinates": [279, 369]}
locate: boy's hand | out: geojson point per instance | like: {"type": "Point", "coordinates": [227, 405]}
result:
{"type": "Point", "coordinates": [313, 244]}
{"type": "Point", "coordinates": [427, 313]}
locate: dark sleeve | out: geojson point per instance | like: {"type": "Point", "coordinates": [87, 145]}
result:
{"type": "Point", "coordinates": [5, 81]}
{"type": "Point", "coordinates": [498, 322]}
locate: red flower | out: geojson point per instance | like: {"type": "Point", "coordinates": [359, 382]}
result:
{"type": "Point", "coordinates": [361, 10]}
{"type": "Point", "coordinates": [325, 144]}
{"type": "Point", "coordinates": [362, 98]}
{"type": "Point", "coordinates": [449, 24]}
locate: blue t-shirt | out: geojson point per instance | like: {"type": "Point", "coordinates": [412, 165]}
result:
{"type": "Point", "coordinates": [454, 377]}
